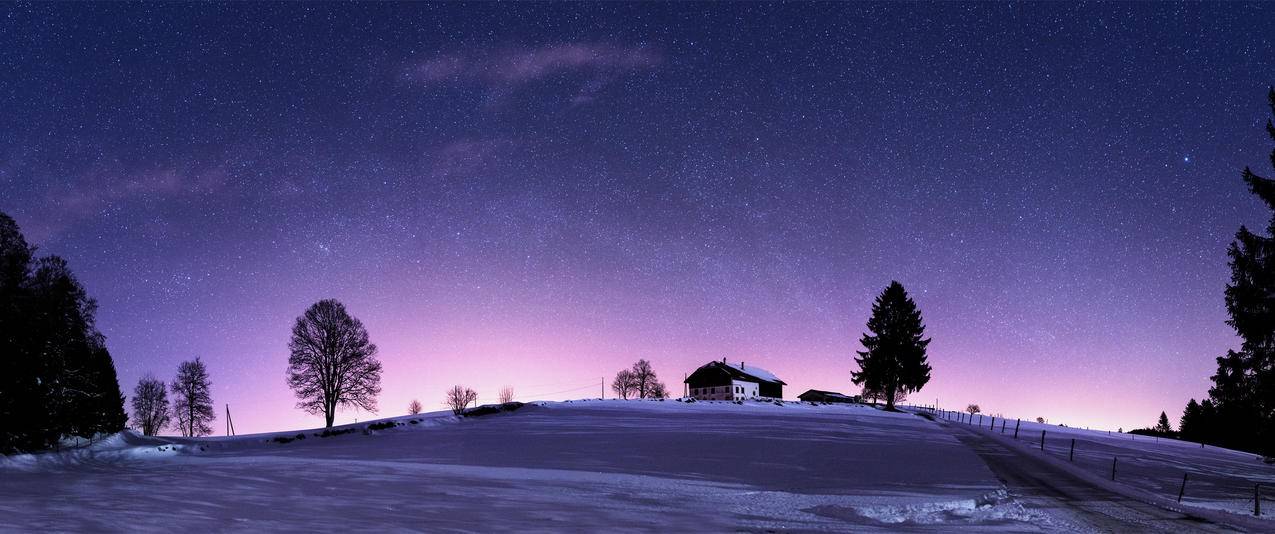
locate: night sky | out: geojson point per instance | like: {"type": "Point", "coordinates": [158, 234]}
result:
{"type": "Point", "coordinates": [538, 195]}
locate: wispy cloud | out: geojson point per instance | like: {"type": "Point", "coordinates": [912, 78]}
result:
{"type": "Point", "coordinates": [99, 189]}
{"type": "Point", "coordinates": [517, 66]}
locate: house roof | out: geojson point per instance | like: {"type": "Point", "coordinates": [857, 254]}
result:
{"type": "Point", "coordinates": [742, 372]}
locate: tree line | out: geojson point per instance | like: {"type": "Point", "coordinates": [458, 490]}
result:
{"type": "Point", "coordinates": [57, 378]}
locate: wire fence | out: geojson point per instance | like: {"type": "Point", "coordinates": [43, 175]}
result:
{"type": "Point", "coordinates": [1187, 472]}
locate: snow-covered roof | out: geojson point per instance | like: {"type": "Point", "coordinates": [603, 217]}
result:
{"type": "Point", "coordinates": [758, 372]}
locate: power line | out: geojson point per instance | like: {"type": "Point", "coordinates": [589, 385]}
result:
{"type": "Point", "coordinates": [591, 385]}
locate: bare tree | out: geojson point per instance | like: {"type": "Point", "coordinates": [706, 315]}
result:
{"type": "Point", "coordinates": [192, 399]}
{"type": "Point", "coordinates": [639, 382]}
{"type": "Point", "coordinates": [973, 409]}
{"type": "Point", "coordinates": [332, 362]}
{"type": "Point", "coordinates": [643, 378]}
{"type": "Point", "coordinates": [1040, 420]}
{"type": "Point", "coordinates": [506, 394]}
{"type": "Point", "coordinates": [625, 384]}
{"type": "Point", "coordinates": [414, 407]}
{"type": "Point", "coordinates": [657, 391]}
{"type": "Point", "coordinates": [150, 405]}
{"type": "Point", "coordinates": [459, 397]}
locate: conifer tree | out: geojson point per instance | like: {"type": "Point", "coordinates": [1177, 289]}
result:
{"type": "Point", "coordinates": [1162, 426]}
{"type": "Point", "coordinates": [1188, 427]}
{"type": "Point", "coordinates": [1243, 391]}
{"type": "Point", "coordinates": [894, 359]}
{"type": "Point", "coordinates": [56, 376]}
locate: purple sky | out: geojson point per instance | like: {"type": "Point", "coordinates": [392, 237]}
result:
{"type": "Point", "coordinates": [537, 195]}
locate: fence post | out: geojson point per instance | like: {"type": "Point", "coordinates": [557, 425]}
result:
{"type": "Point", "coordinates": [1042, 440]}
{"type": "Point", "coordinates": [1071, 456]}
{"type": "Point", "coordinates": [993, 425]}
{"type": "Point", "coordinates": [1183, 490]}
{"type": "Point", "coordinates": [1113, 468]}
{"type": "Point", "coordinates": [1257, 500]}
{"type": "Point", "coordinates": [980, 420]}
{"type": "Point", "coordinates": [1017, 423]}
{"type": "Point", "coordinates": [1002, 426]}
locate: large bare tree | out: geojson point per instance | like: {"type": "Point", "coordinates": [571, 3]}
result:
{"type": "Point", "coordinates": [150, 405]}
{"type": "Point", "coordinates": [624, 384]}
{"type": "Point", "coordinates": [192, 399]}
{"type": "Point", "coordinates": [332, 362]}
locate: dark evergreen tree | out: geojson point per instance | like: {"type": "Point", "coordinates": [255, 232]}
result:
{"type": "Point", "coordinates": [894, 359]}
{"type": "Point", "coordinates": [1243, 390]}
{"type": "Point", "coordinates": [1189, 424]}
{"type": "Point", "coordinates": [1162, 426]}
{"type": "Point", "coordinates": [110, 416]}
{"type": "Point", "coordinates": [192, 399]}
{"type": "Point", "coordinates": [56, 376]}
{"type": "Point", "coordinates": [23, 406]}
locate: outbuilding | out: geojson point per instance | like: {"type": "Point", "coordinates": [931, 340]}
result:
{"type": "Point", "coordinates": [815, 395]}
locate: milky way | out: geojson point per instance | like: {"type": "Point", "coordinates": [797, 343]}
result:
{"type": "Point", "coordinates": [538, 195]}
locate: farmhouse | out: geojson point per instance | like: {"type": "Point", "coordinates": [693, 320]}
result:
{"type": "Point", "coordinates": [815, 395]}
{"type": "Point", "coordinates": [727, 381]}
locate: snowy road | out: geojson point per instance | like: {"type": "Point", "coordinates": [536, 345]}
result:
{"type": "Point", "coordinates": [1073, 503]}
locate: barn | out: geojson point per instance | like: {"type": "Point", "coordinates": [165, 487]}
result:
{"type": "Point", "coordinates": [727, 381]}
{"type": "Point", "coordinates": [815, 395]}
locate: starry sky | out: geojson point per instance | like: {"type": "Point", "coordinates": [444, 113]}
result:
{"type": "Point", "coordinates": [536, 195]}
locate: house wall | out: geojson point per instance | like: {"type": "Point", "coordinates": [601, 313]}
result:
{"type": "Point", "coordinates": [738, 389]}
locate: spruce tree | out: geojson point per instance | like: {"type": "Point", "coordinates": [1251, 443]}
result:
{"type": "Point", "coordinates": [894, 359]}
{"type": "Point", "coordinates": [1244, 386]}
{"type": "Point", "coordinates": [1162, 426]}
{"type": "Point", "coordinates": [1188, 425]}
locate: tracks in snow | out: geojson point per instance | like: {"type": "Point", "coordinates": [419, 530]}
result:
{"type": "Point", "coordinates": [1076, 504]}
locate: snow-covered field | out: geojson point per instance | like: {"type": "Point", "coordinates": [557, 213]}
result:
{"type": "Point", "coordinates": [582, 465]}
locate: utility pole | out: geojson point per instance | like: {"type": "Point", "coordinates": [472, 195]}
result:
{"type": "Point", "coordinates": [230, 423]}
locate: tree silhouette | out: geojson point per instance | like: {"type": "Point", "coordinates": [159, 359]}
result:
{"type": "Point", "coordinates": [894, 359]}
{"type": "Point", "coordinates": [1241, 413]}
{"type": "Point", "coordinates": [639, 382]}
{"type": "Point", "coordinates": [1188, 427]}
{"type": "Point", "coordinates": [192, 399]}
{"type": "Point", "coordinates": [624, 384]}
{"type": "Point", "coordinates": [644, 379]}
{"type": "Point", "coordinates": [56, 375]}
{"type": "Point", "coordinates": [1162, 426]}
{"type": "Point", "coordinates": [459, 397]}
{"type": "Point", "coordinates": [414, 407]}
{"type": "Point", "coordinates": [973, 409]}
{"type": "Point", "coordinates": [332, 362]}
{"type": "Point", "coordinates": [506, 394]}
{"type": "Point", "coordinates": [150, 405]}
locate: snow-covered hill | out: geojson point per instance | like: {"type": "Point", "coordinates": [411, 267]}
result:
{"type": "Point", "coordinates": [583, 465]}
{"type": "Point", "coordinates": [589, 465]}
